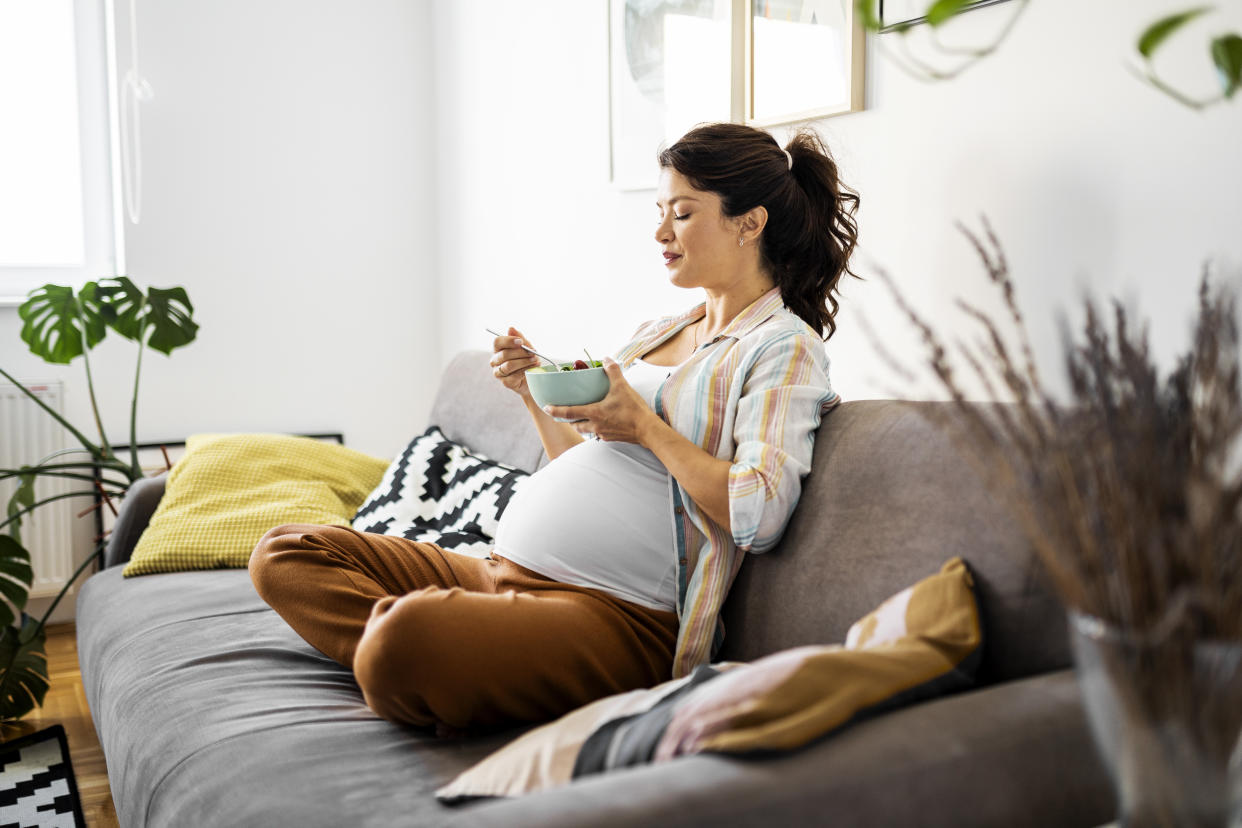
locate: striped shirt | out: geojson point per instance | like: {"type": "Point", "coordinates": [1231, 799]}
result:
{"type": "Point", "coordinates": [753, 395]}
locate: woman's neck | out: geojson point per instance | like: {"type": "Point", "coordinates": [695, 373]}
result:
{"type": "Point", "coordinates": [724, 306]}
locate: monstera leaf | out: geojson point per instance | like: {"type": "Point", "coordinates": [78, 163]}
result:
{"type": "Point", "coordinates": [16, 577]}
{"type": "Point", "coordinates": [58, 325]}
{"type": "Point", "coordinates": [166, 313]}
{"type": "Point", "coordinates": [23, 668]}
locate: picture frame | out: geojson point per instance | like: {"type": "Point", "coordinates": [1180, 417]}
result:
{"type": "Point", "coordinates": [675, 63]}
{"type": "Point", "coordinates": [669, 67]}
{"type": "Point", "coordinates": [791, 41]}
{"type": "Point", "coordinates": [896, 15]}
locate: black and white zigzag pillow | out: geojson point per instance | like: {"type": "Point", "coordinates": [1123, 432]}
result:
{"type": "Point", "coordinates": [437, 491]}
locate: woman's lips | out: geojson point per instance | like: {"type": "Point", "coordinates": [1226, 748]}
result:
{"type": "Point", "coordinates": [669, 258]}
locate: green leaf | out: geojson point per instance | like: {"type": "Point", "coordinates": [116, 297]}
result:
{"type": "Point", "coordinates": [54, 322]}
{"type": "Point", "coordinates": [16, 576]}
{"type": "Point", "coordinates": [23, 498]}
{"type": "Point", "coordinates": [23, 669]}
{"type": "Point", "coordinates": [171, 316]}
{"type": "Point", "coordinates": [866, 11]}
{"type": "Point", "coordinates": [1227, 55]}
{"type": "Point", "coordinates": [943, 10]}
{"type": "Point", "coordinates": [1158, 32]}
{"type": "Point", "coordinates": [122, 305]}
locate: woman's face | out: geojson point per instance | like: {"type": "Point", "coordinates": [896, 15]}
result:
{"type": "Point", "coordinates": [699, 243]}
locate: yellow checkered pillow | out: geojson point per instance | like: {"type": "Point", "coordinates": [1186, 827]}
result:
{"type": "Point", "coordinates": [229, 489]}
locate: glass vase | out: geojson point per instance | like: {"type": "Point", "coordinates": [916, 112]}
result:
{"type": "Point", "coordinates": [1165, 710]}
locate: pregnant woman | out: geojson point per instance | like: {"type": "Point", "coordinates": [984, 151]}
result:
{"type": "Point", "coordinates": [612, 562]}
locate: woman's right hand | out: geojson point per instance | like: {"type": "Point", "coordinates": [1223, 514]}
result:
{"type": "Point", "coordinates": [510, 363]}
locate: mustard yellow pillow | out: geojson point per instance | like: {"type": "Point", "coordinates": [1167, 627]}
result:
{"type": "Point", "coordinates": [229, 489]}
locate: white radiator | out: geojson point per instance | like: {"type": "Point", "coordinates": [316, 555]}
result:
{"type": "Point", "coordinates": [28, 434]}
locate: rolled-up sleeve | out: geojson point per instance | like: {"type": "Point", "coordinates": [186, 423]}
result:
{"type": "Point", "coordinates": [782, 401]}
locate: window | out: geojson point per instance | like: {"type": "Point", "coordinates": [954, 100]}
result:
{"type": "Point", "coordinates": [58, 220]}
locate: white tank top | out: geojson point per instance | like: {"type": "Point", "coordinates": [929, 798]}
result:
{"type": "Point", "coordinates": [600, 515]}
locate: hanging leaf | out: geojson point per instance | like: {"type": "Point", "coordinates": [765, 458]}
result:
{"type": "Point", "coordinates": [23, 497]}
{"type": "Point", "coordinates": [1227, 55]}
{"type": "Point", "coordinates": [943, 10]}
{"type": "Point", "coordinates": [23, 669]}
{"type": "Point", "coordinates": [54, 322]}
{"type": "Point", "coordinates": [122, 306]}
{"type": "Point", "coordinates": [170, 317]}
{"type": "Point", "coordinates": [16, 576]}
{"type": "Point", "coordinates": [1158, 32]}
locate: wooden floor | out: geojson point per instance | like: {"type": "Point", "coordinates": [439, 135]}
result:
{"type": "Point", "coordinates": [65, 705]}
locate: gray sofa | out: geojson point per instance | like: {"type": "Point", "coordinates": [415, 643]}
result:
{"type": "Point", "coordinates": [212, 712]}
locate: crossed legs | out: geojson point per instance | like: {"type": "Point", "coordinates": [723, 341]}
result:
{"type": "Point", "coordinates": [435, 637]}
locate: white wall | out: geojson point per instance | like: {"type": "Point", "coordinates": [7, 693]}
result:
{"type": "Point", "coordinates": [1090, 178]}
{"type": "Point", "coordinates": [287, 186]}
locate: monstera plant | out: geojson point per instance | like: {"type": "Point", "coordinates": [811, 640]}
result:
{"type": "Point", "coordinates": [59, 325]}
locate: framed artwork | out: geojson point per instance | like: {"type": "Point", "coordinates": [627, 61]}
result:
{"type": "Point", "coordinates": [895, 14]}
{"type": "Point", "coordinates": [805, 60]}
{"type": "Point", "coordinates": [676, 63]}
{"type": "Point", "coordinates": [669, 68]}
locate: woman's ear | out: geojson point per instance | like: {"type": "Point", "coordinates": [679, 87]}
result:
{"type": "Point", "coordinates": [752, 222]}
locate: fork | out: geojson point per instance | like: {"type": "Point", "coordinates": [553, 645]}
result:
{"type": "Point", "coordinates": [526, 348]}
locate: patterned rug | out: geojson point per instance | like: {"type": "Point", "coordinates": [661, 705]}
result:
{"type": "Point", "coordinates": [37, 788]}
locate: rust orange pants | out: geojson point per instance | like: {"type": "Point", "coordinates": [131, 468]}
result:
{"type": "Point", "coordinates": [437, 638]}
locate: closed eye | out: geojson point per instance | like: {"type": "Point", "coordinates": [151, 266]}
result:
{"type": "Point", "coordinates": [682, 217]}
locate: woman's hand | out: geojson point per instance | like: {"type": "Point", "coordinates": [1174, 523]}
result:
{"type": "Point", "coordinates": [623, 416]}
{"type": "Point", "coordinates": [510, 363]}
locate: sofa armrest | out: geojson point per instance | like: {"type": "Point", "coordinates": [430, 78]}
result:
{"type": "Point", "coordinates": [136, 510]}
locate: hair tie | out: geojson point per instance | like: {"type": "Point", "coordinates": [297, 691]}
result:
{"type": "Point", "coordinates": [788, 157]}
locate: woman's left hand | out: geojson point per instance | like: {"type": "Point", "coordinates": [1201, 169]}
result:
{"type": "Point", "coordinates": [619, 417]}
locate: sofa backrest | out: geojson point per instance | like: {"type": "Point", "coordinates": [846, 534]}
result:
{"type": "Point", "coordinates": [890, 497]}
{"type": "Point", "coordinates": [888, 500]}
{"type": "Point", "coordinates": [473, 409]}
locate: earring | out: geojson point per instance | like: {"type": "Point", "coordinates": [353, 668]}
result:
{"type": "Point", "coordinates": [741, 242]}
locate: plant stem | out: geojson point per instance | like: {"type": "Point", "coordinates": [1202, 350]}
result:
{"type": "Point", "coordinates": [90, 387]}
{"type": "Point", "coordinates": [92, 558]}
{"type": "Point", "coordinates": [133, 405]}
{"type": "Point", "coordinates": [89, 478]}
{"type": "Point", "coordinates": [111, 466]}
{"type": "Point", "coordinates": [90, 447]}
{"type": "Point", "coordinates": [47, 500]}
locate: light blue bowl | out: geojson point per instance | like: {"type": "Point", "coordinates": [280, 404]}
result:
{"type": "Point", "coordinates": [557, 387]}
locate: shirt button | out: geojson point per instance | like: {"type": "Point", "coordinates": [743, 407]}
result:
{"type": "Point", "coordinates": [681, 561]}
{"type": "Point", "coordinates": [679, 511]}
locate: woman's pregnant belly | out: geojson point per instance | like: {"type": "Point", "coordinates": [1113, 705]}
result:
{"type": "Point", "coordinates": [597, 516]}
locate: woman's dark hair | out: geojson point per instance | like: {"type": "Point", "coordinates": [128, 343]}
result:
{"type": "Point", "coordinates": [811, 232]}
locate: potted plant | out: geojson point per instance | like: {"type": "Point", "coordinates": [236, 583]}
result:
{"type": "Point", "coordinates": [59, 325]}
{"type": "Point", "coordinates": [1129, 488]}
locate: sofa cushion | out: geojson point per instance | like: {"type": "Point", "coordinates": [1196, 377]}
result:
{"type": "Point", "coordinates": [228, 489]}
{"type": "Point", "coordinates": [211, 710]}
{"type": "Point", "coordinates": [892, 494]}
{"type": "Point", "coordinates": [438, 491]}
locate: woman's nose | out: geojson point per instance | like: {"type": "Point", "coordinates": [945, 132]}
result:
{"type": "Point", "coordinates": [663, 232]}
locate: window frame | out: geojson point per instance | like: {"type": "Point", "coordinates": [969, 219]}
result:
{"type": "Point", "coordinates": [94, 41]}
